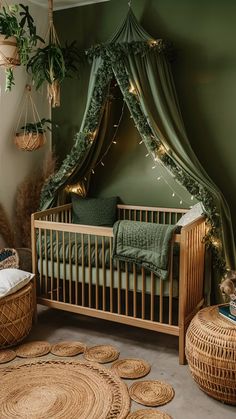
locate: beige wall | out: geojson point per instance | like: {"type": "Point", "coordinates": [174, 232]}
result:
{"type": "Point", "coordinates": [16, 164]}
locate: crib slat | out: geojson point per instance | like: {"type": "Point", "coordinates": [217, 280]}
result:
{"type": "Point", "coordinates": [143, 292]}
{"type": "Point", "coordinates": [83, 270]}
{"type": "Point", "coordinates": [90, 271]}
{"type": "Point", "coordinates": [97, 273]}
{"type": "Point", "coordinates": [104, 276]}
{"type": "Point", "coordinates": [70, 270]}
{"type": "Point", "coordinates": [76, 270]}
{"type": "Point", "coordinates": [126, 290]}
{"type": "Point", "coordinates": [119, 287]}
{"type": "Point", "coordinates": [46, 262]}
{"type": "Point", "coordinates": [111, 274]}
{"type": "Point", "coordinates": [52, 265]}
{"type": "Point", "coordinates": [161, 302]}
{"type": "Point", "coordinates": [171, 284]}
{"type": "Point", "coordinates": [64, 267]}
{"type": "Point", "coordinates": [134, 291]}
{"type": "Point", "coordinates": [58, 265]}
{"type": "Point", "coordinates": [40, 261]}
{"type": "Point", "coordinates": [152, 297]}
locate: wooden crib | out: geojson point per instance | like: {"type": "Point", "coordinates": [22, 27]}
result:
{"type": "Point", "coordinates": [76, 271]}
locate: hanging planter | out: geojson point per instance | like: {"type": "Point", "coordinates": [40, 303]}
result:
{"type": "Point", "coordinates": [31, 136]}
{"type": "Point", "coordinates": [17, 38]}
{"type": "Point", "coordinates": [53, 63]}
{"type": "Point", "coordinates": [9, 54]}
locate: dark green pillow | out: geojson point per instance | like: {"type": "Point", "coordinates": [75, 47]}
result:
{"type": "Point", "coordinates": [94, 211]}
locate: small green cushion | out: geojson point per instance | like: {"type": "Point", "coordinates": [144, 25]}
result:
{"type": "Point", "coordinates": [94, 211]}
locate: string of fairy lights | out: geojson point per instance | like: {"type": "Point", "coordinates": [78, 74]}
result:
{"type": "Point", "coordinates": [163, 173]}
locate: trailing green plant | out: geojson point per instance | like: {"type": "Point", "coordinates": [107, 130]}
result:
{"type": "Point", "coordinates": [37, 127]}
{"type": "Point", "coordinates": [15, 20]}
{"type": "Point", "coordinates": [52, 64]}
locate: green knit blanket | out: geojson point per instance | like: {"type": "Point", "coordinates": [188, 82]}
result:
{"type": "Point", "coordinates": [146, 244]}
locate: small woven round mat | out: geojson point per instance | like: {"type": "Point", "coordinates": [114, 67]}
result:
{"type": "Point", "coordinates": [7, 355]}
{"type": "Point", "coordinates": [131, 368]}
{"type": "Point", "coordinates": [62, 389]}
{"type": "Point", "coordinates": [68, 348]}
{"type": "Point", "coordinates": [151, 393]}
{"type": "Point", "coordinates": [148, 414]}
{"type": "Point", "coordinates": [102, 354]}
{"type": "Point", "coordinates": [32, 349]}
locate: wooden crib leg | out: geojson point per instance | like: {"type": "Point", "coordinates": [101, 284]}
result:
{"type": "Point", "coordinates": [182, 358]}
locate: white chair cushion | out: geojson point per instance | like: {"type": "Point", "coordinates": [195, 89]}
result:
{"type": "Point", "coordinates": [12, 280]}
{"type": "Point", "coordinates": [195, 212]}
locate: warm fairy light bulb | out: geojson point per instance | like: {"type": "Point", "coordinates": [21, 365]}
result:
{"type": "Point", "coordinates": [181, 202]}
{"type": "Point", "coordinates": [173, 194]}
{"type": "Point", "coordinates": [192, 198]}
{"type": "Point", "coordinates": [141, 142]}
{"type": "Point", "coordinates": [153, 167]}
{"type": "Point", "coordinates": [102, 163]}
{"type": "Point", "coordinates": [114, 142]}
{"type": "Point", "coordinates": [159, 178]}
{"type": "Point", "coordinates": [115, 126]}
{"type": "Point", "coordinates": [216, 242]}
{"type": "Point", "coordinates": [152, 42]}
{"type": "Point", "coordinates": [93, 172]}
{"type": "Point", "coordinates": [146, 155]}
{"type": "Point", "coordinates": [132, 89]}
{"type": "Point", "coordinates": [156, 158]}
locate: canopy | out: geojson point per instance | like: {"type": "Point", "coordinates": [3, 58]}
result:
{"type": "Point", "coordinates": [141, 67]}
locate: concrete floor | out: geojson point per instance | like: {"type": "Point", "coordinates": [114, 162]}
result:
{"type": "Point", "coordinates": [160, 350]}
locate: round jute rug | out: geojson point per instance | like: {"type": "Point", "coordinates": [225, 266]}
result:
{"type": "Point", "coordinates": [102, 354]}
{"type": "Point", "coordinates": [32, 349]}
{"type": "Point", "coordinates": [68, 348]}
{"type": "Point", "coordinates": [131, 368]}
{"type": "Point", "coordinates": [151, 393]}
{"type": "Point", "coordinates": [7, 355]}
{"type": "Point", "coordinates": [62, 389]}
{"type": "Point", "coordinates": [148, 414]}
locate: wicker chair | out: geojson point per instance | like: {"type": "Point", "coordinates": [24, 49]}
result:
{"type": "Point", "coordinates": [17, 309]}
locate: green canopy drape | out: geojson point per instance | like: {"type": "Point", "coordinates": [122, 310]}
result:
{"type": "Point", "coordinates": [141, 68]}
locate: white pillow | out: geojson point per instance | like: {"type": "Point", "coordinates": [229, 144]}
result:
{"type": "Point", "coordinates": [195, 212]}
{"type": "Point", "coordinates": [12, 280]}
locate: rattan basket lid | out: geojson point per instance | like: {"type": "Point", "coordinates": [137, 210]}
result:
{"type": "Point", "coordinates": [148, 414]}
{"type": "Point", "coordinates": [33, 349]}
{"type": "Point", "coordinates": [131, 368]}
{"type": "Point", "coordinates": [7, 355]}
{"type": "Point", "coordinates": [102, 354]}
{"type": "Point", "coordinates": [68, 348]}
{"type": "Point", "coordinates": [151, 393]}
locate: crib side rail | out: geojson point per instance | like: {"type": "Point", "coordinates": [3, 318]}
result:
{"type": "Point", "coordinates": [61, 213]}
{"type": "Point", "coordinates": [150, 214]}
{"type": "Point", "coordinates": [192, 256]}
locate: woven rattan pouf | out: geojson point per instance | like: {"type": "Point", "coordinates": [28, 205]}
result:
{"type": "Point", "coordinates": [211, 354]}
{"type": "Point", "coordinates": [16, 313]}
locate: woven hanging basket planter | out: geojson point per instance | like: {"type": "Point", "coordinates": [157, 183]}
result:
{"type": "Point", "coordinates": [16, 314]}
{"type": "Point", "coordinates": [29, 141]}
{"type": "Point", "coordinates": [8, 51]}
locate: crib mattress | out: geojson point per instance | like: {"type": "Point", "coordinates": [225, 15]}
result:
{"type": "Point", "coordinates": [96, 275]}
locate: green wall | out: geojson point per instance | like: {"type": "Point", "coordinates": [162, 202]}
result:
{"type": "Point", "coordinates": [203, 33]}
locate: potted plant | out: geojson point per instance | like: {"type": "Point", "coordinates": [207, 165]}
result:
{"type": "Point", "coordinates": [53, 64]}
{"type": "Point", "coordinates": [17, 38]}
{"type": "Point", "coordinates": [32, 135]}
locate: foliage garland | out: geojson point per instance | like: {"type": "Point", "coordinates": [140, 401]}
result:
{"type": "Point", "coordinates": [83, 140]}
{"type": "Point", "coordinates": [113, 57]}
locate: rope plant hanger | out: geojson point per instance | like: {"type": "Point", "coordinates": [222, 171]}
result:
{"type": "Point", "coordinates": [31, 135]}
{"type": "Point", "coordinates": [17, 38]}
{"type": "Point", "coordinates": [48, 63]}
